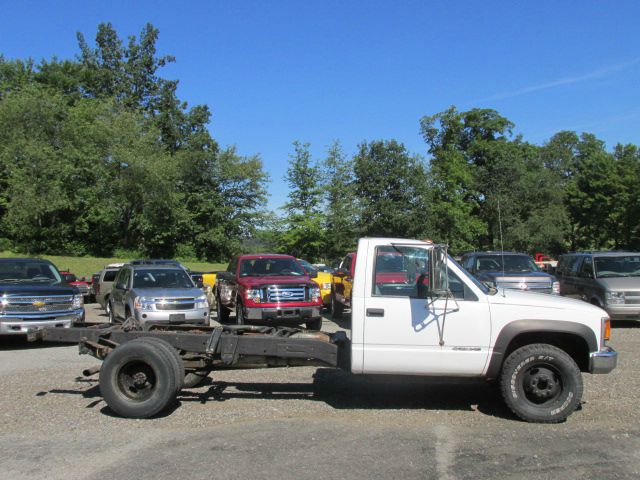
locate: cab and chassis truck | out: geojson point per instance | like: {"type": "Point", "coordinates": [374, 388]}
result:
{"type": "Point", "coordinates": [441, 322]}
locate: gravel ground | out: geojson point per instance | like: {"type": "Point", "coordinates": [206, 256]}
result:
{"type": "Point", "coordinates": [307, 423]}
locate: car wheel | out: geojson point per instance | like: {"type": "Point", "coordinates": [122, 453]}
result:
{"type": "Point", "coordinates": [107, 306]}
{"type": "Point", "coordinates": [112, 316]}
{"type": "Point", "coordinates": [336, 307]}
{"type": "Point", "coordinates": [138, 379]}
{"type": "Point", "coordinates": [541, 383]}
{"type": "Point", "coordinates": [240, 319]}
{"type": "Point", "coordinates": [222, 311]}
{"type": "Point", "coordinates": [315, 324]}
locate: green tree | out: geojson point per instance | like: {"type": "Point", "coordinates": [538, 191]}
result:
{"type": "Point", "coordinates": [391, 190]}
{"type": "Point", "coordinates": [303, 228]}
{"type": "Point", "coordinates": [341, 205]}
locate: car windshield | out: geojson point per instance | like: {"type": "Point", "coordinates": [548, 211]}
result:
{"type": "Point", "coordinates": [161, 278]}
{"type": "Point", "coordinates": [475, 281]}
{"type": "Point", "coordinates": [28, 272]}
{"type": "Point", "coordinates": [512, 263]}
{"type": "Point", "coordinates": [622, 266]}
{"type": "Point", "coordinates": [307, 266]}
{"type": "Point", "coordinates": [257, 267]}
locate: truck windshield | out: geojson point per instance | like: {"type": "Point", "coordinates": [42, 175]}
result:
{"type": "Point", "coordinates": [512, 263]}
{"type": "Point", "coordinates": [28, 272]}
{"type": "Point", "coordinates": [258, 267]}
{"type": "Point", "coordinates": [307, 266]}
{"type": "Point", "coordinates": [162, 278]}
{"type": "Point", "coordinates": [622, 266]}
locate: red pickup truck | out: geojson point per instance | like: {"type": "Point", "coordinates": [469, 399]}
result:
{"type": "Point", "coordinates": [268, 289]}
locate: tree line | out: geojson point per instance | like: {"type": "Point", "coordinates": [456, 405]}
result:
{"type": "Point", "coordinates": [100, 157]}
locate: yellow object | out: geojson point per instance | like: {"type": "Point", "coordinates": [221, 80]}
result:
{"type": "Point", "coordinates": [209, 279]}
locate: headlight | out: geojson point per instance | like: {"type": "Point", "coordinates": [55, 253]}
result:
{"type": "Point", "coordinates": [78, 301]}
{"type": "Point", "coordinates": [314, 293]}
{"type": "Point", "coordinates": [326, 286]}
{"type": "Point", "coordinates": [555, 288]}
{"type": "Point", "coordinates": [201, 302]}
{"type": "Point", "coordinates": [254, 295]}
{"type": "Point", "coordinates": [614, 298]}
{"type": "Point", "coordinates": [142, 303]}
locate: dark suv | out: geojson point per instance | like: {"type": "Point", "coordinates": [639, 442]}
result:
{"type": "Point", "coordinates": [509, 270]}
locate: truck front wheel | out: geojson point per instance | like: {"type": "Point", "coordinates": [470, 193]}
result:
{"type": "Point", "coordinates": [138, 379]}
{"type": "Point", "coordinates": [222, 311]}
{"type": "Point", "coordinates": [336, 307]}
{"type": "Point", "coordinates": [541, 383]}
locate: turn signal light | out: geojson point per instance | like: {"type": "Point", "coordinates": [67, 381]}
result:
{"type": "Point", "coordinates": [607, 329]}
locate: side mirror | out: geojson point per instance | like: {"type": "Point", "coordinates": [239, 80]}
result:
{"type": "Point", "coordinates": [313, 274]}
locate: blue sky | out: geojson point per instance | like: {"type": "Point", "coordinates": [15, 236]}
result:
{"type": "Point", "coordinates": [314, 71]}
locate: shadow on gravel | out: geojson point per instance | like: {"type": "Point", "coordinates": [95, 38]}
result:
{"type": "Point", "coordinates": [342, 390]}
{"type": "Point", "coordinates": [625, 324]}
{"type": "Point", "coordinates": [19, 342]}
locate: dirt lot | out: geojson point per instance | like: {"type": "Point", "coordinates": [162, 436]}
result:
{"type": "Point", "coordinates": [306, 423]}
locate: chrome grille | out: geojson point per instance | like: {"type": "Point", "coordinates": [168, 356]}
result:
{"type": "Point", "coordinates": [167, 304]}
{"type": "Point", "coordinates": [543, 286]}
{"type": "Point", "coordinates": [632, 298]}
{"type": "Point", "coordinates": [286, 294]}
{"type": "Point", "coordinates": [35, 304]}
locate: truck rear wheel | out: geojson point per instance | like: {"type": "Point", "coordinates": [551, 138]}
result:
{"type": "Point", "coordinates": [177, 363]}
{"type": "Point", "coordinates": [222, 311]}
{"type": "Point", "coordinates": [138, 379]}
{"type": "Point", "coordinates": [336, 307]}
{"type": "Point", "coordinates": [541, 383]}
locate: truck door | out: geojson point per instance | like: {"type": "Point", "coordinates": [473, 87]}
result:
{"type": "Point", "coordinates": [408, 330]}
{"type": "Point", "coordinates": [118, 293]}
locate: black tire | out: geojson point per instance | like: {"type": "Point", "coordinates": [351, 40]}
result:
{"type": "Point", "coordinates": [315, 324]}
{"type": "Point", "coordinates": [222, 311]}
{"type": "Point", "coordinates": [138, 380]}
{"type": "Point", "coordinates": [176, 359]}
{"type": "Point", "coordinates": [112, 316]}
{"type": "Point", "coordinates": [195, 379]}
{"type": "Point", "coordinates": [337, 309]}
{"type": "Point", "coordinates": [541, 383]}
{"type": "Point", "coordinates": [240, 319]}
{"type": "Point", "coordinates": [107, 306]}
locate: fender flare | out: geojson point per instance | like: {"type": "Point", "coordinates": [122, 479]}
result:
{"type": "Point", "coordinates": [518, 327]}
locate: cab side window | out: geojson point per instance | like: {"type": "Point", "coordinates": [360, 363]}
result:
{"type": "Point", "coordinates": [123, 278]}
{"type": "Point", "coordinates": [401, 271]}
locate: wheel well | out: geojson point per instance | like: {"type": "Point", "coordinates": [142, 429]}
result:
{"type": "Point", "coordinates": [574, 345]}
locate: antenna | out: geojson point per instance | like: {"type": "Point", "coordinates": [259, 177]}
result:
{"type": "Point", "coordinates": [501, 242]}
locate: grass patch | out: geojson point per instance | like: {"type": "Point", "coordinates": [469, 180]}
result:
{"type": "Point", "coordinates": [85, 266]}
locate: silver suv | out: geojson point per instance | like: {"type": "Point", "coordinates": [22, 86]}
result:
{"type": "Point", "coordinates": [158, 294]}
{"type": "Point", "coordinates": [610, 280]}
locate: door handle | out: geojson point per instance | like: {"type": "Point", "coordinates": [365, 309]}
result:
{"type": "Point", "coordinates": [375, 312]}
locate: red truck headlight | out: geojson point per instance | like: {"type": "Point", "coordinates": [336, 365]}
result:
{"type": "Point", "coordinates": [254, 294]}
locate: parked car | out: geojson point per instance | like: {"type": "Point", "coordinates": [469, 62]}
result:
{"type": "Point", "coordinates": [34, 295]}
{"type": "Point", "coordinates": [80, 283]}
{"type": "Point", "coordinates": [95, 278]}
{"type": "Point", "coordinates": [610, 280]}
{"type": "Point", "coordinates": [322, 278]}
{"type": "Point", "coordinates": [341, 285]}
{"type": "Point", "coordinates": [509, 270]}
{"type": "Point", "coordinates": [269, 289]}
{"type": "Point", "coordinates": [158, 294]}
{"type": "Point", "coordinates": [105, 282]}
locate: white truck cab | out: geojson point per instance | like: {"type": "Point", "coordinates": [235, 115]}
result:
{"type": "Point", "coordinates": [415, 311]}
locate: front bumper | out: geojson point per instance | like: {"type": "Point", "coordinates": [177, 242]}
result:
{"type": "Point", "coordinates": [279, 315]}
{"type": "Point", "coordinates": [197, 316]}
{"type": "Point", "coordinates": [623, 312]}
{"type": "Point", "coordinates": [12, 324]}
{"type": "Point", "coordinates": [603, 361]}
